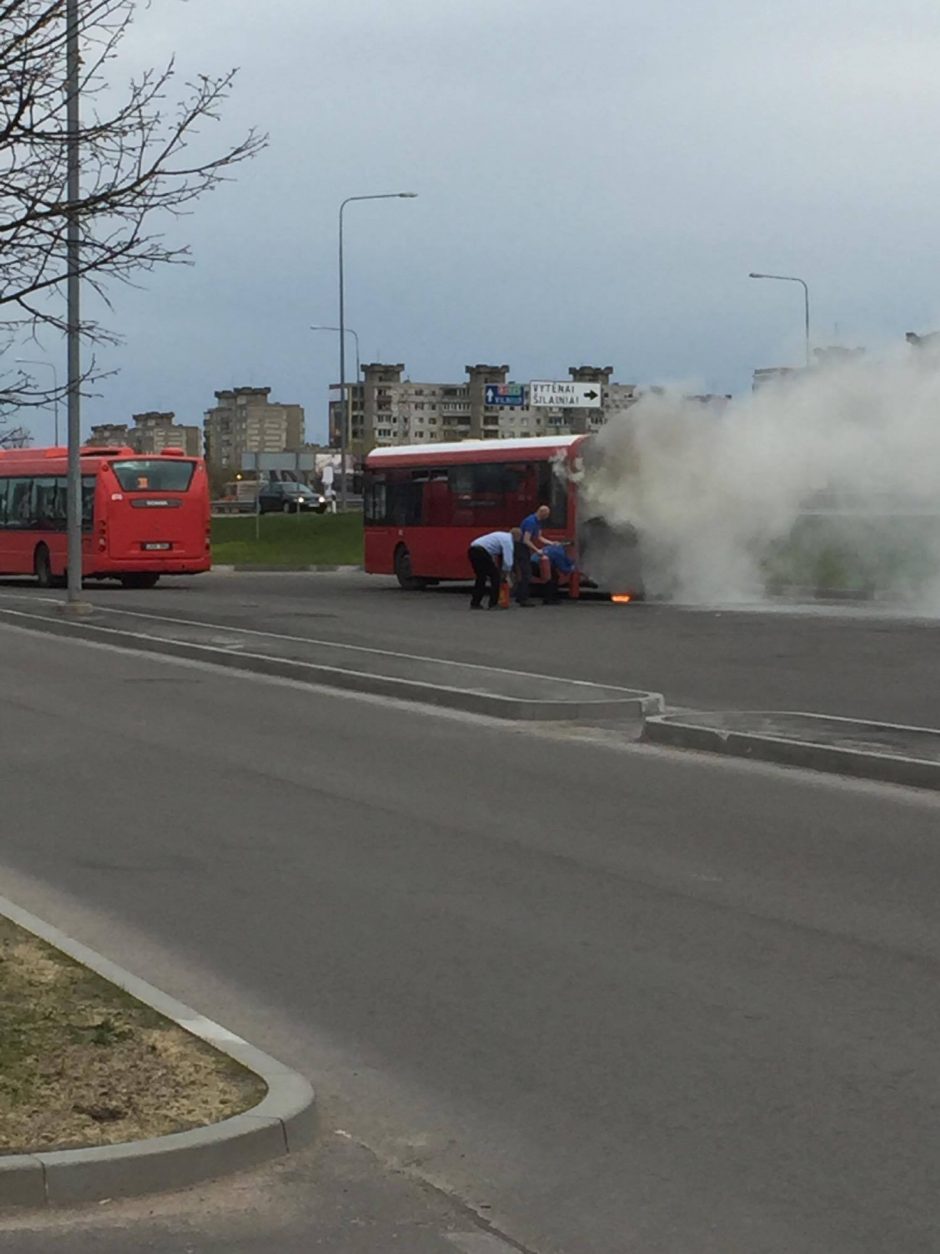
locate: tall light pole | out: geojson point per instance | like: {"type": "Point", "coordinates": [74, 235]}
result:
{"type": "Point", "coordinates": [26, 361]}
{"type": "Point", "coordinates": [348, 331]}
{"type": "Point", "coordinates": [73, 599]}
{"type": "Point", "coordinates": [344, 408]}
{"type": "Point", "coordinates": [789, 278]}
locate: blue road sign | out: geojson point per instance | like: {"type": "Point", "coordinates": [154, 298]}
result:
{"type": "Point", "coordinates": [505, 394]}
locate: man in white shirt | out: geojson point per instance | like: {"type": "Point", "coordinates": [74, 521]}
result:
{"type": "Point", "coordinates": [491, 557]}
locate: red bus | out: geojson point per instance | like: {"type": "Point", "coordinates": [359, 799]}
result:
{"type": "Point", "coordinates": [143, 515]}
{"type": "Point", "coordinates": [424, 504]}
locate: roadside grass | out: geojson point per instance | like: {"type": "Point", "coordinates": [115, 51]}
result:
{"type": "Point", "coordinates": [892, 555]}
{"type": "Point", "coordinates": [82, 1063]}
{"type": "Point", "coordinates": [288, 540]}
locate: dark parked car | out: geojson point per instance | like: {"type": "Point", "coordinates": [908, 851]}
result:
{"type": "Point", "coordinates": [284, 497]}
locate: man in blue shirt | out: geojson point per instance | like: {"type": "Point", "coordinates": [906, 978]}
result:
{"type": "Point", "coordinates": [529, 547]}
{"type": "Point", "coordinates": [560, 563]}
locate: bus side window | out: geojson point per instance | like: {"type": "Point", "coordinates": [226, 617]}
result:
{"type": "Point", "coordinates": [88, 501]}
{"type": "Point", "coordinates": [404, 498]}
{"type": "Point", "coordinates": [479, 494]}
{"type": "Point", "coordinates": [438, 507]}
{"type": "Point", "coordinates": [3, 502]}
{"type": "Point", "coordinates": [55, 512]}
{"type": "Point", "coordinates": [46, 510]}
{"type": "Point", "coordinates": [20, 504]}
{"type": "Point", "coordinates": [553, 491]}
{"type": "Point", "coordinates": [521, 493]}
{"type": "Point", "coordinates": [62, 500]}
{"type": "Point", "coordinates": [376, 499]}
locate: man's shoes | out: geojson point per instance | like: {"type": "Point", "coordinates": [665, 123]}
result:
{"type": "Point", "coordinates": [527, 604]}
{"type": "Point", "coordinates": [475, 605]}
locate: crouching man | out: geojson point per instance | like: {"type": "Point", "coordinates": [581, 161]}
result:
{"type": "Point", "coordinates": [491, 557]}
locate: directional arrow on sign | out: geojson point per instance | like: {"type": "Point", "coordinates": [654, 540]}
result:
{"type": "Point", "coordinates": [592, 396]}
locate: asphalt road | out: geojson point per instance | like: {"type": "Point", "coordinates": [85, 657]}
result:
{"type": "Point", "coordinates": [610, 998]}
{"type": "Point", "coordinates": [856, 661]}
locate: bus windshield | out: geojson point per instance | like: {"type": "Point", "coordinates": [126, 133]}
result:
{"type": "Point", "coordinates": [154, 474]}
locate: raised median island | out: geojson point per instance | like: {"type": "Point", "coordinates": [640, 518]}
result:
{"type": "Point", "coordinates": [82, 1063]}
{"type": "Point", "coordinates": [465, 686]}
{"type": "Point", "coordinates": [890, 752]}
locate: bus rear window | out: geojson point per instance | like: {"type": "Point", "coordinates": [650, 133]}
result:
{"type": "Point", "coordinates": [154, 474]}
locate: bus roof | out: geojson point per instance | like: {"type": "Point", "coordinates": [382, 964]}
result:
{"type": "Point", "coordinates": [37, 461]}
{"type": "Point", "coordinates": [541, 446]}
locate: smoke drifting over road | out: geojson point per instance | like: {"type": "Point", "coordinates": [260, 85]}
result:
{"type": "Point", "coordinates": [827, 479]}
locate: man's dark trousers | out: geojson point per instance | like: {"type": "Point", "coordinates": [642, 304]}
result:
{"type": "Point", "coordinates": [487, 572]}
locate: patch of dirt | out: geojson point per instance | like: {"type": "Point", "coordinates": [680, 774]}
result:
{"type": "Point", "coordinates": [82, 1063]}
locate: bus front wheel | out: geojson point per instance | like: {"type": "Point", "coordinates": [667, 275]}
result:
{"type": "Point", "coordinates": [403, 573]}
{"type": "Point", "coordinates": [42, 566]}
{"type": "Point", "coordinates": [143, 580]}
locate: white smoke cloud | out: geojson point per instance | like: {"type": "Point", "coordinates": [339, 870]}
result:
{"type": "Point", "coordinates": [831, 476]}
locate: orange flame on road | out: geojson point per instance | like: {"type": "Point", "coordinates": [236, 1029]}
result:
{"type": "Point", "coordinates": [621, 598]}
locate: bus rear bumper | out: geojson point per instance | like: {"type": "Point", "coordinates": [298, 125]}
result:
{"type": "Point", "coordinates": [192, 567]}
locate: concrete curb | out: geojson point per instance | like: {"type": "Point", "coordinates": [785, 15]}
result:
{"type": "Point", "coordinates": [633, 704]}
{"type": "Point", "coordinates": [283, 1122]}
{"type": "Point", "coordinates": [251, 568]}
{"type": "Point", "coordinates": [830, 759]}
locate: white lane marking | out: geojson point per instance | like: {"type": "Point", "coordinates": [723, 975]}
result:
{"type": "Point", "coordinates": [315, 667]}
{"type": "Point", "coordinates": [624, 742]}
{"type": "Point", "coordinates": [332, 644]}
{"type": "Point", "coordinates": [480, 1243]}
{"type": "Point", "coordinates": [298, 685]}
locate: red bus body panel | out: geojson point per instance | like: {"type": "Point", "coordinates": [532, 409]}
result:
{"type": "Point", "coordinates": [123, 523]}
{"type": "Point", "coordinates": [438, 546]}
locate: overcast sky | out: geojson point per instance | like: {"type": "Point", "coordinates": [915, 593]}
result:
{"type": "Point", "coordinates": [595, 181]}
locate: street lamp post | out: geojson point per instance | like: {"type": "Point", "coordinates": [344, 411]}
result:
{"type": "Point", "coordinates": [789, 278]}
{"type": "Point", "coordinates": [343, 434]}
{"type": "Point", "coordinates": [26, 361]}
{"type": "Point", "coordinates": [347, 331]}
{"type": "Point", "coordinates": [73, 596]}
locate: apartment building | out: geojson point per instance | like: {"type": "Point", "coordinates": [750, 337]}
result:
{"type": "Point", "coordinates": [387, 408]}
{"type": "Point", "coordinates": [110, 435]}
{"type": "Point", "coordinates": [245, 420]}
{"type": "Point", "coordinates": [151, 433]}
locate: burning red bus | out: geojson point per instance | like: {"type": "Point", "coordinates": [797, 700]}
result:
{"type": "Point", "coordinates": [424, 504]}
{"type": "Point", "coordinates": [143, 515]}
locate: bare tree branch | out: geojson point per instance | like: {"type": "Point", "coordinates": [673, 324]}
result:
{"type": "Point", "coordinates": [138, 165]}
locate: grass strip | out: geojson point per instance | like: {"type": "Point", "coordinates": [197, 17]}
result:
{"type": "Point", "coordinates": [288, 540]}
{"type": "Point", "coordinates": [82, 1063]}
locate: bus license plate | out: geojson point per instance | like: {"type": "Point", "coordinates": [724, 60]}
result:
{"type": "Point", "coordinates": [156, 546]}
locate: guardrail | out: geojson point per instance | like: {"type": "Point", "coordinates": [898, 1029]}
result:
{"type": "Point", "coordinates": [233, 507]}
{"type": "Point", "coordinates": [353, 506]}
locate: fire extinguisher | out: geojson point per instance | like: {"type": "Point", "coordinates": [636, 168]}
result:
{"type": "Point", "coordinates": [504, 595]}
